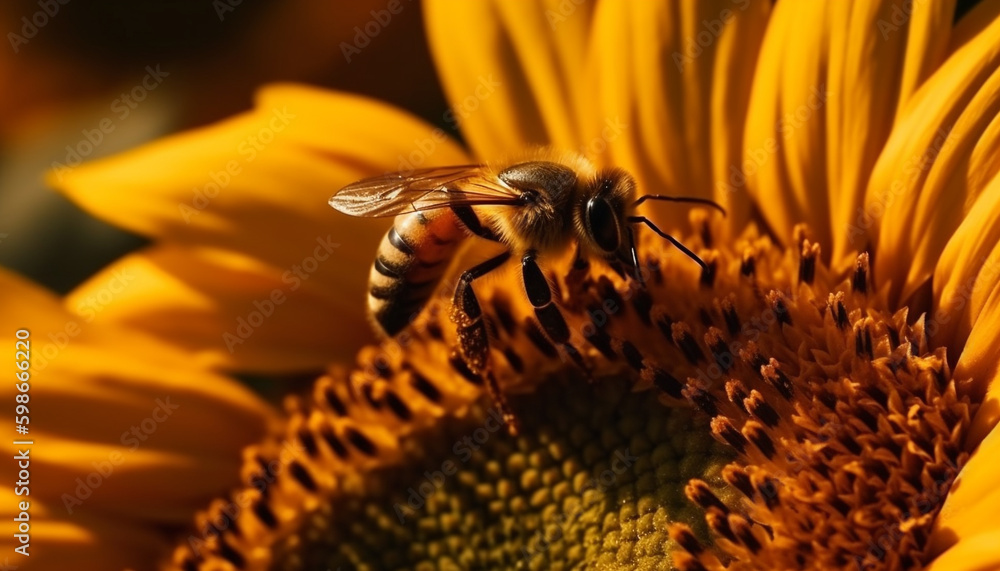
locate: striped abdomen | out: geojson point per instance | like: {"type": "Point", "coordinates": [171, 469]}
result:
{"type": "Point", "coordinates": [411, 259]}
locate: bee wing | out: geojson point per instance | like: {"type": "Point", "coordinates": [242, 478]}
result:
{"type": "Point", "coordinates": [424, 189]}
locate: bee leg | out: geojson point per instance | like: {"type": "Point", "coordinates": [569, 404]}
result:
{"type": "Point", "coordinates": [498, 398]}
{"type": "Point", "coordinates": [635, 257]}
{"type": "Point", "coordinates": [548, 314]}
{"type": "Point", "coordinates": [468, 218]}
{"type": "Point", "coordinates": [473, 338]}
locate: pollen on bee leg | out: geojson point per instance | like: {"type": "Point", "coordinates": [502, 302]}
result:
{"type": "Point", "coordinates": [474, 346]}
{"type": "Point", "coordinates": [500, 400]}
{"type": "Point", "coordinates": [460, 366]}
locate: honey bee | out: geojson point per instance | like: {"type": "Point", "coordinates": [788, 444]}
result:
{"type": "Point", "coordinates": [534, 208]}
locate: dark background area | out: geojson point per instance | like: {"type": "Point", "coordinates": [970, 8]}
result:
{"type": "Point", "coordinates": [217, 53]}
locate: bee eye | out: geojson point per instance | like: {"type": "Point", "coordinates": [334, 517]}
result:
{"type": "Point", "coordinates": [602, 225]}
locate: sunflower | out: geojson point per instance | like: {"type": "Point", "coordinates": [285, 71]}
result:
{"type": "Point", "coordinates": [817, 396]}
{"type": "Point", "coordinates": [108, 435]}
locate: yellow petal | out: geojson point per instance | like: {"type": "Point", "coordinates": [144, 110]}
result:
{"type": "Point", "coordinates": [80, 542]}
{"type": "Point", "coordinates": [673, 82]}
{"type": "Point", "coordinates": [967, 276]}
{"type": "Point", "coordinates": [979, 364]}
{"type": "Point", "coordinates": [122, 423]}
{"type": "Point", "coordinates": [969, 512]}
{"type": "Point", "coordinates": [513, 71]}
{"type": "Point", "coordinates": [978, 552]}
{"type": "Point", "coordinates": [942, 152]}
{"type": "Point", "coordinates": [830, 79]}
{"type": "Point", "coordinates": [232, 311]}
{"type": "Point", "coordinates": [258, 184]}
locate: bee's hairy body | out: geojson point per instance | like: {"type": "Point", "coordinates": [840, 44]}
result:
{"type": "Point", "coordinates": [414, 254]}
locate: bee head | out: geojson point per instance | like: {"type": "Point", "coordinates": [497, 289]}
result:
{"type": "Point", "coordinates": [600, 212]}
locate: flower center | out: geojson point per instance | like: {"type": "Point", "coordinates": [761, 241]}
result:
{"type": "Point", "coordinates": [759, 414]}
{"type": "Point", "coordinates": [592, 480]}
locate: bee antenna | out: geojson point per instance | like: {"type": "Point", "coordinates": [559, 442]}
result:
{"type": "Point", "coordinates": [689, 199]}
{"type": "Point", "coordinates": [674, 241]}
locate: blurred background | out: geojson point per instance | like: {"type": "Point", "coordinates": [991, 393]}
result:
{"type": "Point", "coordinates": [89, 78]}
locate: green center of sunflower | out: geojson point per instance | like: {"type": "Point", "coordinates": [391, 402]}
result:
{"type": "Point", "coordinates": [758, 414]}
{"type": "Point", "coordinates": [594, 480]}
